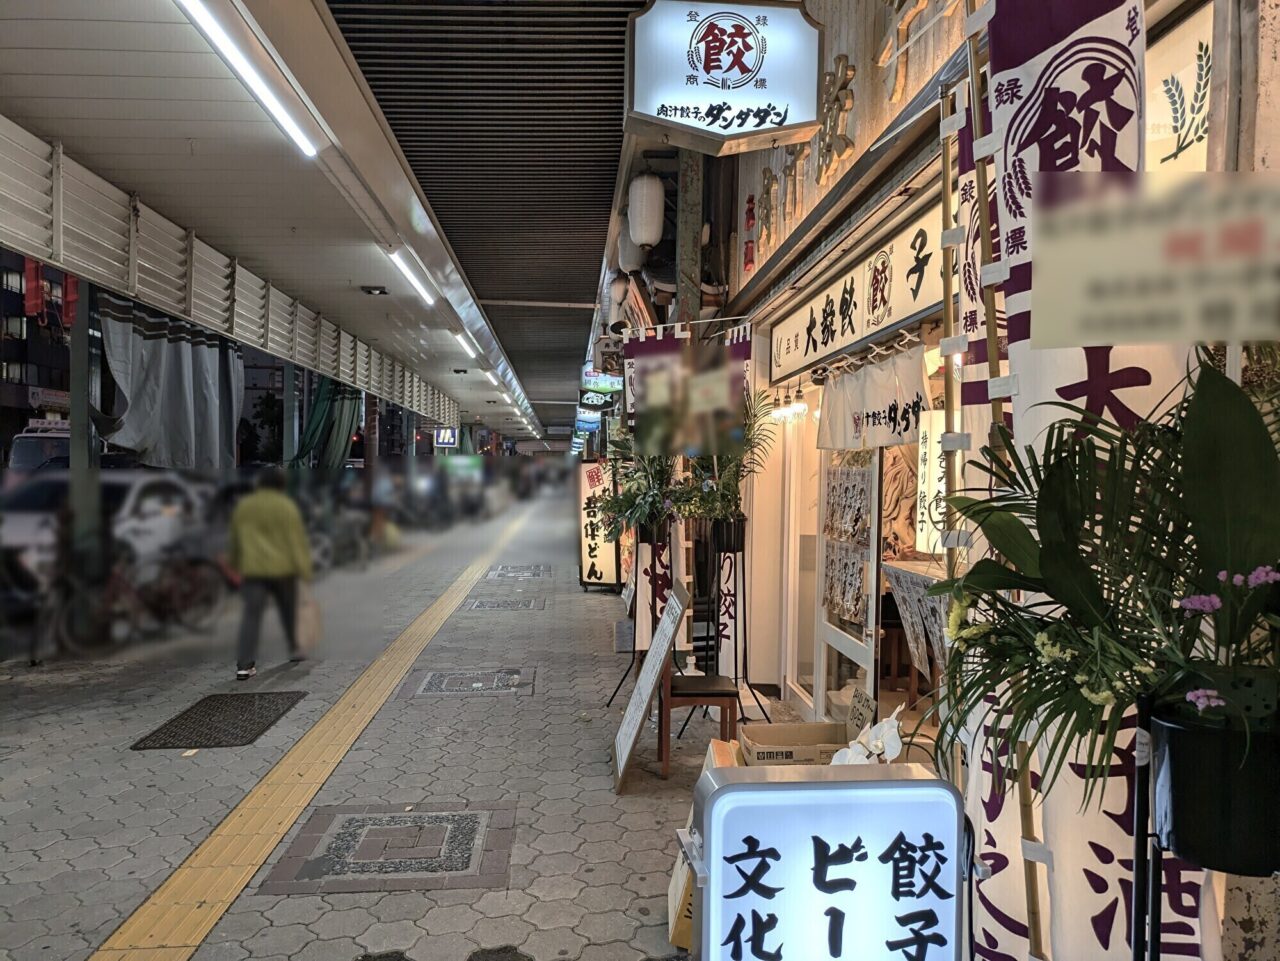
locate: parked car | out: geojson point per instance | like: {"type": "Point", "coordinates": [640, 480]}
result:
{"type": "Point", "coordinates": [149, 511]}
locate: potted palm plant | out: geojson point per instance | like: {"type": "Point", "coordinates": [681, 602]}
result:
{"type": "Point", "coordinates": [1146, 561]}
{"type": "Point", "coordinates": [713, 490]}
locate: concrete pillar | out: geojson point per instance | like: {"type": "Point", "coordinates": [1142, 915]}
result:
{"type": "Point", "coordinates": [370, 429]}
{"type": "Point", "coordinates": [689, 238]}
{"type": "Point", "coordinates": [85, 494]}
{"type": "Point", "coordinates": [289, 432]}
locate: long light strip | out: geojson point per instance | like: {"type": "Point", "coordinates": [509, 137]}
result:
{"type": "Point", "coordinates": [466, 345]}
{"type": "Point", "coordinates": [506, 397]}
{"type": "Point", "coordinates": [493, 380]}
{"type": "Point", "coordinates": [410, 276]}
{"type": "Point", "coordinates": [199, 13]}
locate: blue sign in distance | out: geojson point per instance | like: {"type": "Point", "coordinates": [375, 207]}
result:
{"type": "Point", "coordinates": [446, 437]}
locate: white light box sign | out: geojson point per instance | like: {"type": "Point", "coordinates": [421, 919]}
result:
{"type": "Point", "coordinates": [723, 78]}
{"type": "Point", "coordinates": [839, 862]}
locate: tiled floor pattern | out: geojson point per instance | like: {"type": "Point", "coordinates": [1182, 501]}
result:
{"type": "Point", "coordinates": [89, 829]}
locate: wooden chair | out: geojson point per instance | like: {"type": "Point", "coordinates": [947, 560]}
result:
{"type": "Point", "coordinates": [694, 690]}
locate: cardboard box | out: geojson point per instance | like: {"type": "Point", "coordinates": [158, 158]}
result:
{"type": "Point", "coordinates": [680, 890]}
{"type": "Point", "coordinates": [774, 744]}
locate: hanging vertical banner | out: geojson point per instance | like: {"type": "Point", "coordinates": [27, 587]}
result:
{"type": "Point", "coordinates": [976, 372]}
{"type": "Point", "coordinates": [931, 483]}
{"type": "Point", "coordinates": [1068, 94]}
{"type": "Point", "coordinates": [1093, 871]}
{"type": "Point", "coordinates": [597, 558]}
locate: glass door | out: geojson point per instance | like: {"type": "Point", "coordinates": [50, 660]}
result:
{"type": "Point", "coordinates": [803, 472]}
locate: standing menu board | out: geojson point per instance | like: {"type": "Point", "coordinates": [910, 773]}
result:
{"type": "Point", "coordinates": [655, 659]}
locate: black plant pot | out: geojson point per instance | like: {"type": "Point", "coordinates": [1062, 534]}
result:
{"type": "Point", "coordinates": [730, 536]}
{"type": "Point", "coordinates": [1216, 793]}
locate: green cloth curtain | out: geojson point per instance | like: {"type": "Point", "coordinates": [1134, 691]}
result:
{"type": "Point", "coordinates": [332, 419]}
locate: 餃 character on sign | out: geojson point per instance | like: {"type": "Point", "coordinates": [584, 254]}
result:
{"type": "Point", "coordinates": [911, 867]}
{"type": "Point", "coordinates": [753, 881]}
{"type": "Point", "coordinates": [915, 946]}
{"type": "Point", "coordinates": [760, 929]}
{"type": "Point", "coordinates": [847, 306]}
{"type": "Point", "coordinates": [718, 44]}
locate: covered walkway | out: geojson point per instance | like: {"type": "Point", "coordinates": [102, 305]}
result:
{"type": "Point", "coordinates": [482, 803]}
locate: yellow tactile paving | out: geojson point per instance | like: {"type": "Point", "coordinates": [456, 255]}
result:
{"type": "Point", "coordinates": [170, 924]}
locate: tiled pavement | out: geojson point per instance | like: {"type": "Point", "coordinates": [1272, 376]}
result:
{"type": "Point", "coordinates": [88, 828]}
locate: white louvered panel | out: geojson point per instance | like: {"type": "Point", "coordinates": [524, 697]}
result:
{"type": "Point", "coordinates": [162, 262]}
{"type": "Point", "coordinates": [250, 324]}
{"type": "Point", "coordinates": [362, 366]}
{"type": "Point", "coordinates": [26, 191]}
{"type": "Point", "coordinates": [280, 325]}
{"type": "Point", "coordinates": [307, 338]}
{"type": "Point", "coordinates": [390, 371]}
{"type": "Point", "coordinates": [211, 293]}
{"type": "Point", "coordinates": [330, 349]}
{"type": "Point", "coordinates": [96, 219]}
{"type": "Point", "coordinates": [347, 358]}
{"type": "Point", "coordinates": [376, 363]}
{"type": "Point", "coordinates": [397, 379]}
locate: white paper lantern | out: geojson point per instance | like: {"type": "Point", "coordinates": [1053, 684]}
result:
{"type": "Point", "coordinates": [646, 210]}
{"type": "Point", "coordinates": [618, 288]}
{"type": "Point", "coordinates": [630, 257]}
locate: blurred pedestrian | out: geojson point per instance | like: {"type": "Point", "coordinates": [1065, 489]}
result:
{"type": "Point", "coordinates": [270, 551]}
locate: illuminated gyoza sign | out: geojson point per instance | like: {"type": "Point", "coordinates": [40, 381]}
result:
{"type": "Point", "coordinates": [723, 78]}
{"type": "Point", "coordinates": [844, 862]}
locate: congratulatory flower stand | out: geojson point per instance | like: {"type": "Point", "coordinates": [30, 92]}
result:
{"type": "Point", "coordinates": [1136, 573]}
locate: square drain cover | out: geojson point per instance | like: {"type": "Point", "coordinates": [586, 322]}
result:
{"type": "Point", "coordinates": [222, 720]}
{"type": "Point", "coordinates": [505, 604]}
{"type": "Point", "coordinates": [520, 571]}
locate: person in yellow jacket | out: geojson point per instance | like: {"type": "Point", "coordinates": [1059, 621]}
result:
{"type": "Point", "coordinates": [270, 551]}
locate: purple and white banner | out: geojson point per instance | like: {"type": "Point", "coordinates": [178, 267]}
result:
{"type": "Point", "coordinates": [1068, 95]}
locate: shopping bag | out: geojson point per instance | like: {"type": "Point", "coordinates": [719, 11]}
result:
{"type": "Point", "coordinates": [309, 627]}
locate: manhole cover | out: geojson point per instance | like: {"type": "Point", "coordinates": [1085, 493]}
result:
{"type": "Point", "coordinates": [222, 720]}
{"type": "Point", "coordinates": [384, 956]}
{"type": "Point", "coordinates": [520, 571]}
{"type": "Point", "coordinates": [417, 847]}
{"type": "Point", "coordinates": [510, 680]}
{"type": "Point", "coordinates": [498, 954]}
{"type": "Point", "coordinates": [505, 604]}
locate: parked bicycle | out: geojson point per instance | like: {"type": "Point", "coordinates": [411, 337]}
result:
{"type": "Point", "coordinates": [127, 605]}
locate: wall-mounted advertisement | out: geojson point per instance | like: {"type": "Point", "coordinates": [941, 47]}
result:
{"type": "Point", "coordinates": [600, 381]}
{"type": "Point", "coordinates": [723, 78]}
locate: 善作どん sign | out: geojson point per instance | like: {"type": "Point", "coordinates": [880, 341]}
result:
{"type": "Point", "coordinates": [813, 863]}
{"type": "Point", "coordinates": [723, 78]}
{"type": "Point", "coordinates": [597, 557]}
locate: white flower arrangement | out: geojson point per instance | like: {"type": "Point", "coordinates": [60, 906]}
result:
{"type": "Point", "coordinates": [877, 744]}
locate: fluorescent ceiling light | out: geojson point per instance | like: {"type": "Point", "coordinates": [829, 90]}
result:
{"type": "Point", "coordinates": [403, 266]}
{"type": "Point", "coordinates": [506, 397]}
{"type": "Point", "coordinates": [210, 27]}
{"type": "Point", "coordinates": [493, 380]}
{"type": "Point", "coordinates": [466, 345]}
